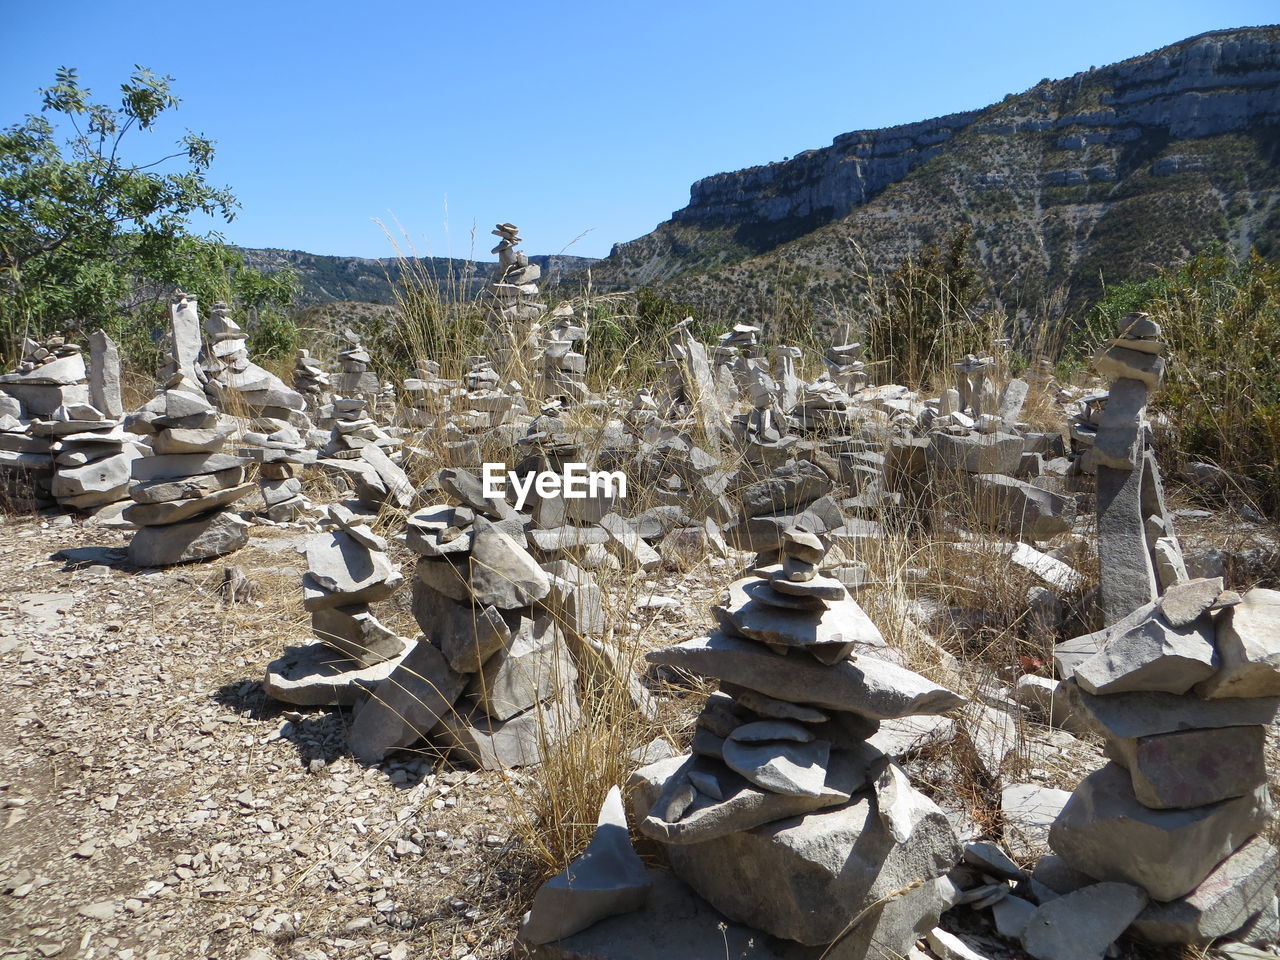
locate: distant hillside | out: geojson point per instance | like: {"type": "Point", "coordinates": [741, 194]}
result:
{"type": "Point", "coordinates": [1109, 173]}
{"type": "Point", "coordinates": [326, 279]}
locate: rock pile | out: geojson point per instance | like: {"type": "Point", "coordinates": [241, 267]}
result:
{"type": "Point", "coordinates": [310, 380]}
{"type": "Point", "coordinates": [785, 816]}
{"type": "Point", "coordinates": [1136, 541]}
{"type": "Point", "coordinates": [364, 453]}
{"type": "Point", "coordinates": [348, 568]}
{"type": "Point", "coordinates": [564, 368]}
{"type": "Point", "coordinates": [1182, 691]}
{"type": "Point", "coordinates": [492, 680]}
{"type": "Point", "coordinates": [181, 495]}
{"type": "Point", "coordinates": [238, 385]}
{"type": "Point", "coordinates": [844, 366]}
{"type": "Point", "coordinates": [281, 456]}
{"type": "Point", "coordinates": [356, 379]}
{"type": "Point", "coordinates": [426, 398]}
{"type": "Point", "coordinates": [515, 291]}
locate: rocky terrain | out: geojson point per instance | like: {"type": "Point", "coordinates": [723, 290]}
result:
{"type": "Point", "coordinates": [1108, 172]}
{"type": "Point", "coordinates": [752, 656]}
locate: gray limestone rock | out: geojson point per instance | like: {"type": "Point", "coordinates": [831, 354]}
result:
{"type": "Point", "coordinates": [447, 577]}
{"type": "Point", "coordinates": [1105, 832]}
{"type": "Point", "coordinates": [794, 485]}
{"type": "Point", "coordinates": [1185, 602]}
{"type": "Point", "coordinates": [342, 571]}
{"type": "Point", "coordinates": [534, 666]}
{"type": "Point", "coordinates": [215, 535]}
{"type": "Point", "coordinates": [830, 633]}
{"type": "Point", "coordinates": [606, 879]}
{"type": "Point", "coordinates": [666, 810]}
{"type": "Point", "coordinates": [837, 863]}
{"type": "Point", "coordinates": [1238, 888]}
{"type": "Point", "coordinates": [1151, 656]}
{"type": "Point", "coordinates": [865, 685]}
{"type": "Point", "coordinates": [316, 675]}
{"type": "Point", "coordinates": [406, 706]}
{"type": "Point", "coordinates": [1126, 715]}
{"type": "Point", "coordinates": [468, 635]}
{"type": "Point", "coordinates": [997, 453]}
{"type": "Point", "coordinates": [1249, 645]}
{"type": "Point", "coordinates": [1123, 550]}
{"type": "Point", "coordinates": [520, 741]}
{"type": "Point", "coordinates": [990, 859]}
{"type": "Point", "coordinates": [1191, 768]}
{"type": "Point", "coordinates": [164, 491]}
{"type": "Point", "coordinates": [1119, 441]}
{"type": "Point", "coordinates": [1081, 925]}
{"type": "Point", "coordinates": [357, 633]}
{"type": "Point", "coordinates": [1021, 509]}
{"type": "Point", "coordinates": [765, 706]}
{"type": "Point", "coordinates": [779, 766]}
{"type": "Point", "coordinates": [627, 545]}
{"type": "Point", "coordinates": [104, 375]}
{"type": "Point", "coordinates": [175, 511]}
{"type": "Point", "coordinates": [502, 573]}
{"type": "Point", "coordinates": [1029, 810]}
{"type": "Point", "coordinates": [180, 466]}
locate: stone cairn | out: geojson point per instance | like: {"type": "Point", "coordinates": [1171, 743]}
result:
{"type": "Point", "coordinates": [977, 392]}
{"type": "Point", "coordinates": [844, 366]}
{"type": "Point", "coordinates": [1181, 687]}
{"type": "Point", "coordinates": [182, 494]}
{"type": "Point", "coordinates": [363, 453]}
{"type": "Point", "coordinates": [786, 815]}
{"type": "Point", "coordinates": [356, 379]}
{"type": "Point", "coordinates": [492, 680]}
{"type": "Point", "coordinates": [564, 368]}
{"type": "Point", "coordinates": [426, 398]}
{"type": "Point", "coordinates": [281, 457]}
{"type": "Point", "coordinates": [310, 380]}
{"type": "Point", "coordinates": [76, 453]}
{"type": "Point", "coordinates": [238, 385]}
{"type": "Point", "coordinates": [486, 403]}
{"type": "Point", "coordinates": [516, 307]}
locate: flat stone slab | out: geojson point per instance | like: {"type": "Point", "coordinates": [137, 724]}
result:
{"type": "Point", "coordinates": [1249, 645]}
{"type": "Point", "coordinates": [178, 466]}
{"type": "Point", "coordinates": [1126, 715]}
{"type": "Point", "coordinates": [1029, 811]}
{"type": "Point", "coordinates": [210, 536]}
{"type": "Point", "coordinates": [175, 511]}
{"type": "Point", "coordinates": [1081, 925]}
{"type": "Point", "coordinates": [1191, 768]}
{"type": "Point", "coordinates": [606, 879]}
{"type": "Point", "coordinates": [780, 766]}
{"type": "Point", "coordinates": [1152, 655]}
{"type": "Point", "coordinates": [405, 706]}
{"type": "Point", "coordinates": [830, 634]}
{"type": "Point", "coordinates": [865, 685]}
{"type": "Point", "coordinates": [317, 675]}
{"type": "Point", "coordinates": [1105, 832]}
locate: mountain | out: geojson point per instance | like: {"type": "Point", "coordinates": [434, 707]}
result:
{"type": "Point", "coordinates": [1107, 174]}
{"type": "Point", "coordinates": [325, 279]}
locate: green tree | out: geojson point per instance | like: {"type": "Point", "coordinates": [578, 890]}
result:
{"type": "Point", "coordinates": [86, 234]}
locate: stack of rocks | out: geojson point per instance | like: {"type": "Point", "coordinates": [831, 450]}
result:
{"type": "Point", "coordinates": [743, 338]}
{"type": "Point", "coordinates": [356, 379]}
{"type": "Point", "coordinates": [310, 380]}
{"type": "Point", "coordinates": [1182, 691]}
{"type": "Point", "coordinates": [348, 568]}
{"type": "Point", "coordinates": [823, 407]}
{"type": "Point", "coordinates": [762, 432]}
{"type": "Point", "coordinates": [1136, 541]}
{"type": "Point", "coordinates": [784, 373]}
{"type": "Point", "coordinates": [281, 456]}
{"type": "Point", "coordinates": [785, 817]}
{"type": "Point", "coordinates": [1083, 430]}
{"type": "Point", "coordinates": [793, 495]}
{"type": "Point", "coordinates": [363, 453]}
{"type": "Point", "coordinates": [50, 375]}
{"type": "Point", "coordinates": [486, 404]}
{"type": "Point", "coordinates": [977, 391]}
{"type": "Point", "coordinates": [182, 494]}
{"type": "Point", "coordinates": [237, 384]}
{"type": "Point", "coordinates": [844, 366]}
{"type": "Point", "coordinates": [564, 369]}
{"type": "Point", "coordinates": [515, 291]}
{"type": "Point", "coordinates": [93, 457]}
{"type": "Point", "coordinates": [492, 680]}
{"type": "Point", "coordinates": [426, 397]}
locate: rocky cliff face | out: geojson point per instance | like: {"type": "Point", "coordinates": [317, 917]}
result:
{"type": "Point", "coordinates": [1111, 170]}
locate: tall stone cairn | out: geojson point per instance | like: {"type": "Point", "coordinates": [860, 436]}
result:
{"type": "Point", "coordinates": [514, 334]}
{"type": "Point", "coordinates": [786, 816]}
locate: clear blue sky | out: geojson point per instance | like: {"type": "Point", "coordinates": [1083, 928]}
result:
{"type": "Point", "coordinates": [568, 118]}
